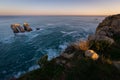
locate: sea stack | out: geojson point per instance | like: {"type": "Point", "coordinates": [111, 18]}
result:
{"type": "Point", "coordinates": [17, 28]}
{"type": "Point", "coordinates": [26, 27]}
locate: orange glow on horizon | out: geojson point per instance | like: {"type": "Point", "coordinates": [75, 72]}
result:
{"type": "Point", "coordinates": [56, 12]}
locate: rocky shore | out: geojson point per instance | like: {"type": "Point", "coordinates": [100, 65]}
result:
{"type": "Point", "coordinates": [96, 58]}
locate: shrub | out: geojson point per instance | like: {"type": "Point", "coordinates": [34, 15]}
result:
{"type": "Point", "coordinates": [83, 45]}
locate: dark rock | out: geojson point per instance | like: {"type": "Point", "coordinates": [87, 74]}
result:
{"type": "Point", "coordinates": [21, 29]}
{"type": "Point", "coordinates": [110, 26]}
{"type": "Point", "coordinates": [37, 28]}
{"type": "Point", "coordinates": [26, 27]}
{"type": "Point", "coordinates": [14, 28]}
{"type": "Point", "coordinates": [17, 28]}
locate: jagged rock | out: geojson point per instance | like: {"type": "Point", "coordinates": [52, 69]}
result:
{"type": "Point", "coordinates": [21, 29]}
{"type": "Point", "coordinates": [26, 27]}
{"type": "Point", "coordinates": [96, 38]}
{"type": "Point", "coordinates": [37, 28]}
{"type": "Point", "coordinates": [100, 43]}
{"type": "Point", "coordinates": [43, 60]}
{"type": "Point", "coordinates": [110, 26]}
{"type": "Point", "coordinates": [92, 54]}
{"type": "Point", "coordinates": [68, 56]}
{"type": "Point", "coordinates": [17, 28]}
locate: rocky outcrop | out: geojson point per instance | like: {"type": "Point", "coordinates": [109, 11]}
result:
{"type": "Point", "coordinates": [17, 28]}
{"type": "Point", "coordinates": [110, 26]}
{"type": "Point", "coordinates": [26, 27]}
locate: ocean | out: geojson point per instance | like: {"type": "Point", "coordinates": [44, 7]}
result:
{"type": "Point", "coordinates": [19, 53]}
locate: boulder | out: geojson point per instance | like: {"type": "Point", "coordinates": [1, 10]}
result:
{"type": "Point", "coordinates": [21, 29]}
{"type": "Point", "coordinates": [37, 28]}
{"type": "Point", "coordinates": [91, 54]}
{"type": "Point", "coordinates": [17, 28]}
{"type": "Point", "coordinates": [14, 28]}
{"type": "Point", "coordinates": [26, 27]}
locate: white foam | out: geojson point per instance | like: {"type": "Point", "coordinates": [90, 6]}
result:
{"type": "Point", "coordinates": [19, 74]}
{"type": "Point", "coordinates": [34, 67]}
{"type": "Point", "coordinates": [68, 33]}
{"type": "Point", "coordinates": [63, 46]}
{"type": "Point", "coordinates": [51, 53]}
{"type": "Point", "coordinates": [50, 24]}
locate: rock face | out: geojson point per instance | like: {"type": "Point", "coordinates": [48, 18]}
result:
{"type": "Point", "coordinates": [107, 34]}
{"type": "Point", "coordinates": [18, 29]}
{"type": "Point", "coordinates": [110, 26]}
{"type": "Point", "coordinates": [26, 27]}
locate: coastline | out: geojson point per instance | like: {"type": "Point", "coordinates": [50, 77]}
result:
{"type": "Point", "coordinates": [74, 57]}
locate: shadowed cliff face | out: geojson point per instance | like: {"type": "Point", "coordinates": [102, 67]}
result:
{"type": "Point", "coordinates": [110, 26]}
{"type": "Point", "coordinates": [91, 59]}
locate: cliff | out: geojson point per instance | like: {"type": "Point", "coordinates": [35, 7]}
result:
{"type": "Point", "coordinates": [96, 58]}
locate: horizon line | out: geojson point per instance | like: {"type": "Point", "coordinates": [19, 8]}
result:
{"type": "Point", "coordinates": [54, 15]}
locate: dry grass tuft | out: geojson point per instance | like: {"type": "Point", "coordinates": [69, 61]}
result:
{"type": "Point", "coordinates": [83, 45]}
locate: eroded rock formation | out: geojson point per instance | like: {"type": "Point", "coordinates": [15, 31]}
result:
{"type": "Point", "coordinates": [110, 26]}
{"type": "Point", "coordinates": [27, 27]}
{"type": "Point", "coordinates": [17, 28]}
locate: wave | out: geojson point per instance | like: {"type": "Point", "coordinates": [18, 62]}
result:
{"type": "Point", "coordinates": [34, 67]}
{"type": "Point", "coordinates": [19, 74]}
{"type": "Point", "coordinates": [68, 33]}
{"type": "Point", "coordinates": [52, 53]}
{"type": "Point", "coordinates": [63, 46]}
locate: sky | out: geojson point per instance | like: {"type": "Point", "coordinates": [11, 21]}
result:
{"type": "Point", "coordinates": [59, 7]}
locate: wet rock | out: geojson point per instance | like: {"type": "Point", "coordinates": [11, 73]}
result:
{"type": "Point", "coordinates": [14, 28]}
{"type": "Point", "coordinates": [26, 27]}
{"type": "Point", "coordinates": [17, 28]}
{"type": "Point", "coordinates": [68, 56]}
{"type": "Point", "coordinates": [37, 28]}
{"type": "Point", "coordinates": [21, 29]}
{"type": "Point", "coordinates": [43, 60]}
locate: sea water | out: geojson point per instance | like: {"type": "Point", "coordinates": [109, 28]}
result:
{"type": "Point", "coordinates": [19, 53]}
